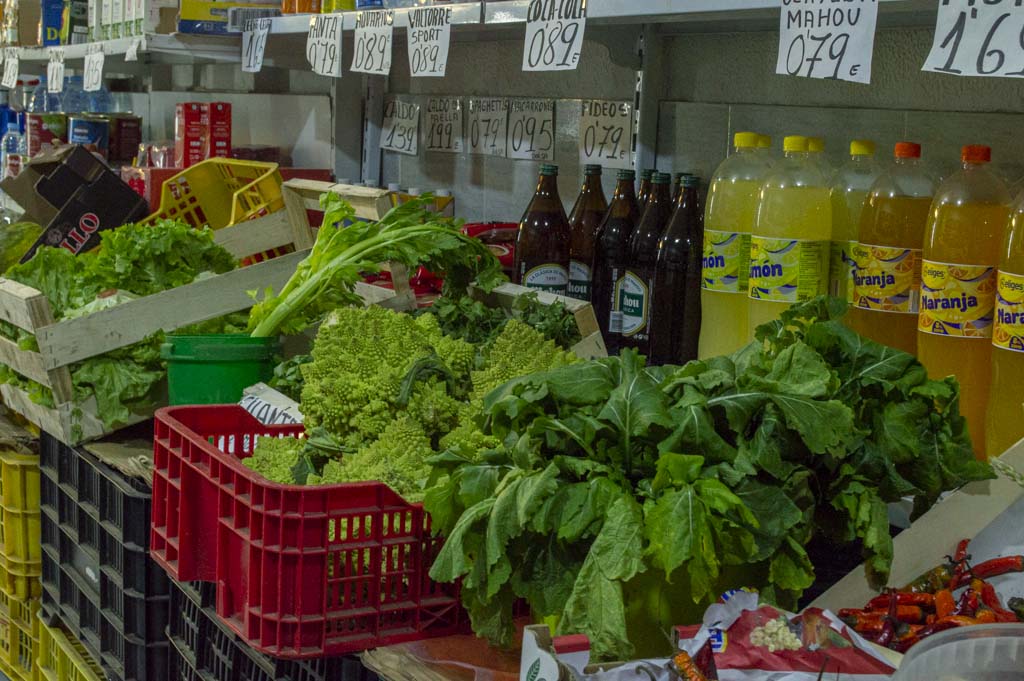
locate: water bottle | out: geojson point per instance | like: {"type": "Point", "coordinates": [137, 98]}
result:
{"type": "Point", "coordinates": [42, 101]}
{"type": "Point", "coordinates": [100, 101]}
{"type": "Point", "coordinates": [74, 100]}
{"type": "Point", "coordinates": [12, 146]}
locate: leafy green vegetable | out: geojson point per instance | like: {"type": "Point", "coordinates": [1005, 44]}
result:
{"type": "Point", "coordinates": [463, 317]}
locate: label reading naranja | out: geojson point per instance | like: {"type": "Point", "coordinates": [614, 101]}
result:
{"type": "Point", "coordinates": [632, 301]}
{"type": "Point", "coordinates": [580, 277]}
{"type": "Point", "coordinates": [957, 300]}
{"type": "Point", "coordinates": [726, 261]}
{"type": "Point", "coordinates": [787, 270]}
{"type": "Point", "coordinates": [887, 279]}
{"type": "Point", "coordinates": [550, 277]}
{"type": "Point", "coordinates": [1009, 329]}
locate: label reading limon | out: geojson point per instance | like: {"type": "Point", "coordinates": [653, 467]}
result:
{"type": "Point", "coordinates": [787, 270]}
{"type": "Point", "coordinates": [841, 270]}
{"type": "Point", "coordinates": [887, 279]}
{"type": "Point", "coordinates": [548, 277]}
{"type": "Point", "coordinates": [726, 261]}
{"type": "Point", "coordinates": [957, 300]}
{"type": "Point", "coordinates": [579, 280]}
{"type": "Point", "coordinates": [631, 299]}
{"type": "Point", "coordinates": [1009, 328]}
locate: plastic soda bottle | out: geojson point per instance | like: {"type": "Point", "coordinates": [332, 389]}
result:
{"type": "Point", "coordinates": [728, 221]}
{"type": "Point", "coordinates": [849, 190]}
{"type": "Point", "coordinates": [887, 279]}
{"type": "Point", "coordinates": [958, 282]}
{"type": "Point", "coordinates": [789, 248]}
{"type": "Point", "coordinates": [816, 151]}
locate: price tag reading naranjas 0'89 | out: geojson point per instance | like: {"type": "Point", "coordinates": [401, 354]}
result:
{"type": "Point", "coordinates": [978, 38]}
{"type": "Point", "coordinates": [531, 129]}
{"type": "Point", "coordinates": [554, 34]}
{"type": "Point", "coordinates": [373, 36]}
{"type": "Point", "coordinates": [606, 134]}
{"type": "Point", "coordinates": [400, 131]}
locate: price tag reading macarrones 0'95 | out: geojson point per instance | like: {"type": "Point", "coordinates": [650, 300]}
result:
{"type": "Point", "coordinates": [531, 129]}
{"type": "Point", "coordinates": [978, 38]}
{"type": "Point", "coordinates": [400, 131]}
{"type": "Point", "coordinates": [606, 136]}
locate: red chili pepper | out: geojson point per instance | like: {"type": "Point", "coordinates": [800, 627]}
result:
{"type": "Point", "coordinates": [889, 628]}
{"type": "Point", "coordinates": [868, 627]}
{"type": "Point", "coordinates": [986, 616]}
{"type": "Point", "coordinates": [908, 614]}
{"type": "Point", "coordinates": [924, 600]}
{"type": "Point", "coordinates": [961, 551]}
{"type": "Point", "coordinates": [930, 582]}
{"type": "Point", "coordinates": [855, 618]}
{"type": "Point", "coordinates": [944, 603]}
{"type": "Point", "coordinates": [990, 568]}
{"type": "Point", "coordinates": [687, 668]}
{"type": "Point", "coordinates": [991, 600]}
{"type": "Point", "coordinates": [968, 604]}
{"type": "Point", "coordinates": [950, 622]}
{"type": "Point", "coordinates": [910, 631]}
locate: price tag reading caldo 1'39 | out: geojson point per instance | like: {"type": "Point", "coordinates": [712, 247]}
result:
{"type": "Point", "coordinates": [827, 40]}
{"type": "Point", "coordinates": [978, 38]}
{"type": "Point", "coordinates": [554, 34]}
{"type": "Point", "coordinates": [444, 124]}
{"type": "Point", "coordinates": [487, 119]}
{"type": "Point", "coordinates": [374, 31]}
{"type": "Point", "coordinates": [323, 44]}
{"type": "Point", "coordinates": [254, 44]}
{"type": "Point", "coordinates": [429, 35]}
{"type": "Point", "coordinates": [55, 71]}
{"type": "Point", "coordinates": [401, 127]}
{"type": "Point", "coordinates": [10, 78]}
{"type": "Point", "coordinates": [605, 134]}
{"type": "Point", "coordinates": [531, 129]}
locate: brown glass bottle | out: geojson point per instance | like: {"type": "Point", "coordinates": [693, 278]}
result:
{"type": "Point", "coordinates": [634, 289]}
{"type": "Point", "coordinates": [611, 252]}
{"type": "Point", "coordinates": [675, 305]}
{"type": "Point", "coordinates": [643, 192]}
{"type": "Point", "coordinates": [584, 219]}
{"type": "Point", "coordinates": [542, 245]}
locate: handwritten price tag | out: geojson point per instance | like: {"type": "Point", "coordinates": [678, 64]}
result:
{"type": "Point", "coordinates": [132, 53]}
{"type": "Point", "coordinates": [444, 124]}
{"type": "Point", "coordinates": [401, 128]}
{"type": "Point", "coordinates": [254, 44]}
{"type": "Point", "coordinates": [554, 35]}
{"type": "Point", "coordinates": [833, 41]}
{"type": "Point", "coordinates": [978, 38]}
{"type": "Point", "coordinates": [11, 65]}
{"type": "Point", "coordinates": [55, 71]}
{"type": "Point", "coordinates": [487, 121]}
{"type": "Point", "coordinates": [606, 134]}
{"type": "Point", "coordinates": [429, 35]}
{"type": "Point", "coordinates": [531, 129]}
{"type": "Point", "coordinates": [374, 32]}
{"type": "Point", "coordinates": [93, 76]}
{"type": "Point", "coordinates": [323, 44]}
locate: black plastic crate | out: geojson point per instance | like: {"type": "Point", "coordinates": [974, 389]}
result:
{"type": "Point", "coordinates": [203, 649]}
{"type": "Point", "coordinates": [98, 578]}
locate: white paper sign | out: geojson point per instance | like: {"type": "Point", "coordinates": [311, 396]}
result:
{"type": "Point", "coordinates": [323, 44]}
{"type": "Point", "coordinates": [429, 35]}
{"type": "Point", "coordinates": [93, 71]}
{"type": "Point", "coordinates": [978, 38]}
{"type": "Point", "coordinates": [401, 128]}
{"type": "Point", "coordinates": [55, 71]}
{"type": "Point", "coordinates": [531, 129]}
{"type": "Point", "coordinates": [254, 43]}
{"type": "Point", "coordinates": [554, 34]}
{"type": "Point", "coordinates": [374, 32]}
{"type": "Point", "coordinates": [486, 123]}
{"type": "Point", "coordinates": [10, 79]}
{"type": "Point", "coordinates": [132, 53]}
{"type": "Point", "coordinates": [827, 40]}
{"type": "Point", "coordinates": [606, 134]}
{"type": "Point", "coordinates": [444, 125]}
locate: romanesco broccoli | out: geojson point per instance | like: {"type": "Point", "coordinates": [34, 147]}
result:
{"type": "Point", "coordinates": [517, 351]}
{"type": "Point", "coordinates": [275, 457]}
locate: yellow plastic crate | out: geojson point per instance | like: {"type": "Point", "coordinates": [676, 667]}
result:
{"type": "Point", "coordinates": [63, 658]}
{"type": "Point", "coordinates": [19, 637]}
{"type": "Point", "coordinates": [19, 509]}
{"type": "Point", "coordinates": [20, 580]}
{"type": "Point", "coordinates": [220, 192]}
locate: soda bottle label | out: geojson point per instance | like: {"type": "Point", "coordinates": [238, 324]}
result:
{"type": "Point", "coordinates": [841, 270]}
{"type": "Point", "coordinates": [887, 279]}
{"type": "Point", "coordinates": [550, 277]}
{"type": "Point", "coordinates": [1009, 328]}
{"type": "Point", "coordinates": [726, 261]}
{"type": "Point", "coordinates": [632, 300]}
{"type": "Point", "coordinates": [787, 270]}
{"type": "Point", "coordinates": [957, 300]}
{"type": "Point", "coordinates": [579, 280]}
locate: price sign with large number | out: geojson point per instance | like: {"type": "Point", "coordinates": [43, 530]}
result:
{"type": "Point", "coordinates": [93, 71]}
{"type": "Point", "coordinates": [55, 71]}
{"type": "Point", "coordinates": [531, 129]}
{"type": "Point", "coordinates": [254, 44]}
{"type": "Point", "coordinates": [606, 134]}
{"type": "Point", "coordinates": [429, 35]}
{"type": "Point", "coordinates": [374, 32]}
{"type": "Point", "coordinates": [11, 65]}
{"type": "Point", "coordinates": [978, 38]}
{"type": "Point", "coordinates": [401, 128]}
{"type": "Point", "coordinates": [486, 122]}
{"type": "Point", "coordinates": [323, 44]}
{"type": "Point", "coordinates": [444, 124]}
{"type": "Point", "coordinates": [554, 34]}
{"type": "Point", "coordinates": [828, 40]}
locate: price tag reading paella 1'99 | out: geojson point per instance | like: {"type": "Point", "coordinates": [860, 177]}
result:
{"type": "Point", "coordinates": [606, 134]}
{"type": "Point", "coordinates": [444, 124]}
{"type": "Point", "coordinates": [400, 131]}
{"type": "Point", "coordinates": [531, 129]}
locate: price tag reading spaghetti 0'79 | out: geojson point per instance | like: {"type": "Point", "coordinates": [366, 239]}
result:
{"type": "Point", "coordinates": [531, 129]}
{"type": "Point", "coordinates": [832, 40]}
{"type": "Point", "coordinates": [554, 34]}
{"type": "Point", "coordinates": [401, 128]}
{"type": "Point", "coordinates": [373, 39]}
{"type": "Point", "coordinates": [978, 38]}
{"type": "Point", "coordinates": [486, 122]}
{"type": "Point", "coordinates": [606, 134]}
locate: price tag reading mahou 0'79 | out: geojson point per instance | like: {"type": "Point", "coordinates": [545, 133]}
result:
{"type": "Point", "coordinates": [978, 38]}
{"type": "Point", "coordinates": [827, 40]}
{"type": "Point", "coordinates": [254, 44]}
{"type": "Point", "coordinates": [444, 124]}
{"type": "Point", "coordinates": [55, 71]}
{"type": "Point", "coordinates": [400, 131]}
{"type": "Point", "coordinates": [10, 78]}
{"type": "Point", "coordinates": [429, 35]}
{"type": "Point", "coordinates": [554, 34]}
{"type": "Point", "coordinates": [372, 53]}
{"type": "Point", "coordinates": [531, 129]}
{"type": "Point", "coordinates": [323, 44]}
{"type": "Point", "coordinates": [606, 134]}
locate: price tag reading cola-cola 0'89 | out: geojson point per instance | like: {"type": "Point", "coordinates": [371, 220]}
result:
{"type": "Point", "coordinates": [554, 34]}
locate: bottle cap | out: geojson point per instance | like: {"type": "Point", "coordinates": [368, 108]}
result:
{"type": "Point", "coordinates": [815, 144]}
{"type": "Point", "coordinates": [662, 178]}
{"type": "Point", "coordinates": [764, 141]}
{"type": "Point", "coordinates": [592, 169]}
{"type": "Point", "coordinates": [794, 143]}
{"type": "Point", "coordinates": [415, 191]}
{"type": "Point", "coordinates": [691, 180]}
{"type": "Point", "coordinates": [549, 169]}
{"type": "Point", "coordinates": [393, 187]}
{"type": "Point", "coordinates": [862, 148]}
{"type": "Point", "coordinates": [745, 140]}
{"type": "Point", "coordinates": [976, 153]}
{"type": "Point", "coordinates": [647, 173]}
{"type": "Point", "coordinates": [625, 175]}
{"type": "Point", "coordinates": [907, 150]}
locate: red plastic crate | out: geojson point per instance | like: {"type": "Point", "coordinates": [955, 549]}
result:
{"type": "Point", "coordinates": [300, 571]}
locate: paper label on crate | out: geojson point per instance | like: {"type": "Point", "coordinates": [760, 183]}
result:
{"type": "Point", "coordinates": [373, 36]}
{"type": "Point", "coordinates": [270, 407]}
{"type": "Point", "coordinates": [726, 261]}
{"type": "Point", "coordinates": [1009, 323]}
{"type": "Point", "coordinates": [254, 43]}
{"type": "Point", "coordinates": [531, 129]}
{"type": "Point", "coordinates": [132, 53]}
{"type": "Point", "coordinates": [444, 125]}
{"type": "Point", "coordinates": [323, 44]}
{"type": "Point", "coordinates": [978, 38]}
{"type": "Point", "coordinates": [10, 77]}
{"type": "Point", "coordinates": [554, 35]}
{"type": "Point", "coordinates": [606, 134]}
{"type": "Point", "coordinates": [830, 40]}
{"type": "Point", "coordinates": [957, 300]}
{"type": "Point", "coordinates": [55, 71]}
{"type": "Point", "coordinates": [486, 125]}
{"type": "Point", "coordinates": [886, 279]}
{"type": "Point", "coordinates": [429, 36]}
{"type": "Point", "coordinates": [787, 270]}
{"type": "Point", "coordinates": [93, 71]}
{"type": "Point", "coordinates": [401, 128]}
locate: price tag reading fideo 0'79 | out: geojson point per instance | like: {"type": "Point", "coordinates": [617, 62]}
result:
{"type": "Point", "coordinates": [606, 134]}
{"type": "Point", "coordinates": [401, 128]}
{"type": "Point", "coordinates": [978, 38]}
{"type": "Point", "coordinates": [531, 129]}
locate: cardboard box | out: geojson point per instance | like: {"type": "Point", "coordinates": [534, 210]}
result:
{"type": "Point", "coordinates": [125, 137]}
{"type": "Point", "coordinates": [52, 19]}
{"type": "Point", "coordinates": [191, 128]}
{"type": "Point", "coordinates": [43, 129]}
{"type": "Point", "coordinates": [219, 138]}
{"type": "Point", "coordinates": [29, 16]}
{"type": "Point", "coordinates": [211, 16]}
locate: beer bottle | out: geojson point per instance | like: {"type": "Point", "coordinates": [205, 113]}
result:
{"type": "Point", "coordinates": [644, 192]}
{"type": "Point", "coordinates": [634, 288]}
{"type": "Point", "coordinates": [584, 220]}
{"type": "Point", "coordinates": [611, 252]}
{"type": "Point", "coordinates": [675, 305]}
{"type": "Point", "coordinates": [542, 245]}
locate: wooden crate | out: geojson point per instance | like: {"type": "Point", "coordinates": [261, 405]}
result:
{"type": "Point", "coordinates": [302, 195]}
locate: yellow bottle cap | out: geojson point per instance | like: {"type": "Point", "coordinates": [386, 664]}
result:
{"type": "Point", "coordinates": [815, 144]}
{"type": "Point", "coordinates": [745, 140]}
{"type": "Point", "coordinates": [794, 143]}
{"type": "Point", "coordinates": [764, 141]}
{"type": "Point", "coordinates": [862, 148]}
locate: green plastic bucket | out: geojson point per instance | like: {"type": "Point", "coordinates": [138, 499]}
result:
{"type": "Point", "coordinates": [216, 368]}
